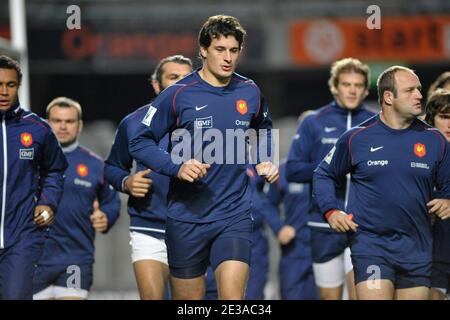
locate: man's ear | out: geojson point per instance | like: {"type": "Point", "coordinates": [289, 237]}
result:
{"type": "Point", "coordinates": [366, 93]}
{"type": "Point", "coordinates": [334, 90]}
{"type": "Point", "coordinates": [388, 97]}
{"type": "Point", "coordinates": [203, 52]}
{"type": "Point", "coordinates": [80, 127]}
{"type": "Point", "coordinates": [156, 86]}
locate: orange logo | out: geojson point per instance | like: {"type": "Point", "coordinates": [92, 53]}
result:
{"type": "Point", "coordinates": [241, 106]}
{"type": "Point", "coordinates": [82, 170]}
{"type": "Point", "coordinates": [420, 150]}
{"type": "Point", "coordinates": [26, 139]}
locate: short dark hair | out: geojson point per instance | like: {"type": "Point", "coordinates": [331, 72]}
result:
{"type": "Point", "coordinates": [9, 63]}
{"type": "Point", "coordinates": [220, 25]}
{"type": "Point", "coordinates": [180, 59]}
{"type": "Point", "coordinates": [386, 81]}
{"type": "Point", "coordinates": [440, 82]}
{"type": "Point", "coordinates": [438, 102]}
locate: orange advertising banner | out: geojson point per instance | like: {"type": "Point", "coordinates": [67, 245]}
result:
{"type": "Point", "coordinates": [419, 39]}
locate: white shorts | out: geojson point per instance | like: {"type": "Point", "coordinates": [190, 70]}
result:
{"type": "Point", "coordinates": [145, 247]}
{"type": "Point", "coordinates": [331, 274]}
{"type": "Point", "coordinates": [58, 292]}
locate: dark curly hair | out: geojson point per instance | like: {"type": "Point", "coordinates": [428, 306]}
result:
{"type": "Point", "coordinates": [9, 63]}
{"type": "Point", "coordinates": [220, 25]}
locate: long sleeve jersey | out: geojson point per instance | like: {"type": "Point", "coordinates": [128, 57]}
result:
{"type": "Point", "coordinates": [260, 212]}
{"type": "Point", "coordinates": [147, 214]}
{"type": "Point", "coordinates": [211, 123]}
{"type": "Point", "coordinates": [71, 236]}
{"type": "Point", "coordinates": [315, 137]}
{"type": "Point", "coordinates": [31, 171]}
{"type": "Point", "coordinates": [393, 176]}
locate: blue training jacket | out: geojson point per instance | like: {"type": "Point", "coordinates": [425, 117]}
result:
{"type": "Point", "coordinates": [196, 106]}
{"type": "Point", "coordinates": [296, 198]}
{"type": "Point", "coordinates": [148, 214]}
{"type": "Point", "coordinates": [260, 212]}
{"type": "Point", "coordinates": [71, 236]}
{"type": "Point", "coordinates": [393, 176]}
{"type": "Point", "coordinates": [315, 137]}
{"type": "Point", "coordinates": [31, 171]}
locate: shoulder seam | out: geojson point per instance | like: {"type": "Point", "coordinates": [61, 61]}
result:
{"type": "Point", "coordinates": [91, 153]}
{"type": "Point", "coordinates": [324, 111]}
{"type": "Point", "coordinates": [354, 134]}
{"type": "Point", "coordinates": [176, 94]}
{"type": "Point", "coordinates": [249, 82]}
{"type": "Point", "coordinates": [38, 121]}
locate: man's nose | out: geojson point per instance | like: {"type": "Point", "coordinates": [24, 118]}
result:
{"type": "Point", "coordinates": [3, 90]}
{"type": "Point", "coordinates": [419, 95]}
{"type": "Point", "coordinates": [227, 56]}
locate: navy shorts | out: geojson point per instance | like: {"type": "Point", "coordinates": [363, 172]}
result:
{"type": "Point", "coordinates": [403, 275]}
{"type": "Point", "coordinates": [327, 244]}
{"type": "Point", "coordinates": [191, 247]}
{"type": "Point", "coordinates": [63, 275]}
{"type": "Point", "coordinates": [440, 276]}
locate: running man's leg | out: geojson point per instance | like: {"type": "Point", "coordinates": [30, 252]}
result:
{"type": "Point", "coordinates": [188, 249]}
{"type": "Point", "coordinates": [328, 249]}
{"type": "Point", "coordinates": [230, 256]}
{"type": "Point", "coordinates": [149, 257]}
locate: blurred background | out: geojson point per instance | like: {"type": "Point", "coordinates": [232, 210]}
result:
{"type": "Point", "coordinates": [105, 65]}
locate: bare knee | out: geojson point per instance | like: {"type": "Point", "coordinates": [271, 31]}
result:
{"type": "Point", "coordinates": [231, 277]}
{"type": "Point", "coordinates": [188, 289]}
{"type": "Point", "coordinates": [330, 293]}
{"type": "Point", "coordinates": [151, 277]}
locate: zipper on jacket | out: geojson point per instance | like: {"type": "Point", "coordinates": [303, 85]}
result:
{"type": "Point", "coordinates": [5, 177]}
{"type": "Point", "coordinates": [348, 177]}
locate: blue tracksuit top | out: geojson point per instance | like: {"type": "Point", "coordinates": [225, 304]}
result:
{"type": "Point", "coordinates": [260, 212]}
{"type": "Point", "coordinates": [148, 214]}
{"type": "Point", "coordinates": [393, 175]}
{"type": "Point", "coordinates": [31, 171]}
{"type": "Point", "coordinates": [315, 137]}
{"type": "Point", "coordinates": [296, 198]}
{"type": "Point", "coordinates": [71, 236]}
{"type": "Point", "coordinates": [194, 105]}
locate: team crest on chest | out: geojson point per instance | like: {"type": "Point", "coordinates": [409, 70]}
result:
{"type": "Point", "coordinates": [82, 170]}
{"type": "Point", "coordinates": [26, 139]}
{"type": "Point", "coordinates": [420, 150]}
{"type": "Point", "coordinates": [241, 106]}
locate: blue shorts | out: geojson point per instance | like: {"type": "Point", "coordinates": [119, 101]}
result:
{"type": "Point", "coordinates": [440, 276]}
{"type": "Point", "coordinates": [402, 275]}
{"type": "Point", "coordinates": [327, 244]}
{"type": "Point", "coordinates": [191, 247]}
{"type": "Point", "coordinates": [78, 276]}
